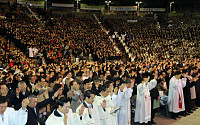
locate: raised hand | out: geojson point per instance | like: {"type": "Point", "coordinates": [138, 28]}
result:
{"type": "Point", "coordinates": [156, 76]}
{"type": "Point", "coordinates": [81, 110]}
{"type": "Point", "coordinates": [132, 83]}
{"type": "Point", "coordinates": [37, 87]}
{"type": "Point", "coordinates": [122, 87]}
{"type": "Point", "coordinates": [59, 91]}
{"type": "Point", "coordinates": [25, 102]}
{"type": "Point", "coordinates": [115, 90]}
{"type": "Point", "coordinates": [65, 119]}
{"type": "Point", "coordinates": [111, 90]}
{"type": "Point", "coordinates": [89, 111]}
{"type": "Point", "coordinates": [70, 93]}
{"type": "Point", "coordinates": [103, 104]}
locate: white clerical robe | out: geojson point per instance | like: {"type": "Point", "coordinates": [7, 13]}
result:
{"type": "Point", "coordinates": [192, 90]}
{"type": "Point", "coordinates": [35, 51]}
{"type": "Point", "coordinates": [175, 96]}
{"type": "Point", "coordinates": [124, 115]}
{"type": "Point", "coordinates": [31, 52]}
{"type": "Point", "coordinates": [85, 118]}
{"type": "Point", "coordinates": [143, 102]}
{"type": "Point", "coordinates": [57, 118]}
{"type": "Point", "coordinates": [115, 100]}
{"type": "Point", "coordinates": [12, 117]}
{"type": "Point", "coordinates": [105, 117]}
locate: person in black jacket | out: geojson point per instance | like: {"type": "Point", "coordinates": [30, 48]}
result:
{"type": "Point", "coordinates": [21, 93]}
{"type": "Point", "coordinates": [197, 87]}
{"type": "Point", "coordinates": [33, 108]}
{"type": "Point", "coordinates": [4, 91]}
{"type": "Point", "coordinates": [154, 96]}
{"type": "Point", "coordinates": [187, 94]}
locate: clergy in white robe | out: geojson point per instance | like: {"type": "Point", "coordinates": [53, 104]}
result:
{"type": "Point", "coordinates": [63, 115]}
{"type": "Point", "coordinates": [192, 89]}
{"type": "Point", "coordinates": [31, 52]}
{"type": "Point", "coordinates": [175, 95]}
{"type": "Point", "coordinates": [114, 97]}
{"type": "Point", "coordinates": [105, 106]}
{"type": "Point", "coordinates": [143, 100]}
{"type": "Point", "coordinates": [8, 116]}
{"type": "Point", "coordinates": [87, 110]}
{"type": "Point", "coordinates": [124, 95]}
{"type": "Point", "coordinates": [35, 51]}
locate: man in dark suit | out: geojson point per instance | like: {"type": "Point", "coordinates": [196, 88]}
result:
{"type": "Point", "coordinates": [33, 108]}
{"type": "Point", "coordinates": [154, 96]}
{"type": "Point", "coordinates": [21, 93]}
{"type": "Point", "coordinates": [4, 91]}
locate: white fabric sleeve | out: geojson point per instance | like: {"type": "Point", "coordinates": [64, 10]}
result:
{"type": "Point", "coordinates": [141, 88]}
{"type": "Point", "coordinates": [84, 118]}
{"type": "Point", "coordinates": [152, 84]}
{"type": "Point", "coordinates": [128, 93]}
{"type": "Point", "coordinates": [103, 114]}
{"type": "Point", "coordinates": [183, 81]}
{"type": "Point", "coordinates": [19, 117]}
{"type": "Point", "coordinates": [54, 122]}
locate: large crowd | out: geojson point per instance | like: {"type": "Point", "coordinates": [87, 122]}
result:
{"type": "Point", "coordinates": [42, 82]}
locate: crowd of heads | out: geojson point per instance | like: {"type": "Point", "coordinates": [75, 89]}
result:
{"type": "Point", "coordinates": [149, 40]}
{"type": "Point", "coordinates": [161, 52]}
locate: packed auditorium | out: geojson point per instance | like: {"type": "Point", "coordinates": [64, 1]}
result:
{"type": "Point", "coordinates": [99, 67]}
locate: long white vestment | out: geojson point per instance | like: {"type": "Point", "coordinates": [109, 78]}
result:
{"type": "Point", "coordinates": [57, 118]}
{"type": "Point", "coordinates": [124, 115]}
{"type": "Point", "coordinates": [143, 102]}
{"type": "Point", "coordinates": [175, 95]}
{"type": "Point", "coordinates": [12, 117]}
{"type": "Point", "coordinates": [105, 117]}
{"type": "Point", "coordinates": [86, 119]}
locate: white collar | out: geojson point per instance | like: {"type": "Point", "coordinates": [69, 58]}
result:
{"type": "Point", "coordinates": [102, 96]}
{"type": "Point", "coordinates": [87, 104]}
{"type": "Point", "coordinates": [75, 92]}
{"type": "Point", "coordinates": [60, 113]}
{"type": "Point", "coordinates": [31, 83]}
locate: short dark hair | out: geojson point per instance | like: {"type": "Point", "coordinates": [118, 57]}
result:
{"type": "Point", "coordinates": [62, 101]}
{"type": "Point", "coordinates": [104, 87]}
{"type": "Point", "coordinates": [108, 82]}
{"type": "Point", "coordinates": [127, 81]}
{"type": "Point", "coordinates": [32, 96]}
{"type": "Point", "coordinates": [88, 93]}
{"type": "Point", "coordinates": [3, 99]}
{"type": "Point", "coordinates": [56, 87]}
{"type": "Point", "coordinates": [71, 83]}
{"type": "Point", "coordinates": [86, 81]}
{"type": "Point", "coordinates": [177, 73]}
{"type": "Point", "coordinates": [115, 72]}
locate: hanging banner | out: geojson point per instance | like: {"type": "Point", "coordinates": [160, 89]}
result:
{"type": "Point", "coordinates": [132, 21]}
{"type": "Point", "coordinates": [62, 5]}
{"type": "Point", "coordinates": [152, 9]}
{"type": "Point", "coordinates": [39, 3]}
{"type": "Point", "coordinates": [87, 7]}
{"type": "Point", "coordinates": [123, 8]}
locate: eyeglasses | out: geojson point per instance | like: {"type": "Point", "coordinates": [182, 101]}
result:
{"type": "Point", "coordinates": [4, 88]}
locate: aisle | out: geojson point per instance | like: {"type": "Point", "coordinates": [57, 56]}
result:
{"type": "Point", "coordinates": [193, 119]}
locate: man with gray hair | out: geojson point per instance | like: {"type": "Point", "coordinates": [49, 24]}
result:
{"type": "Point", "coordinates": [33, 108]}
